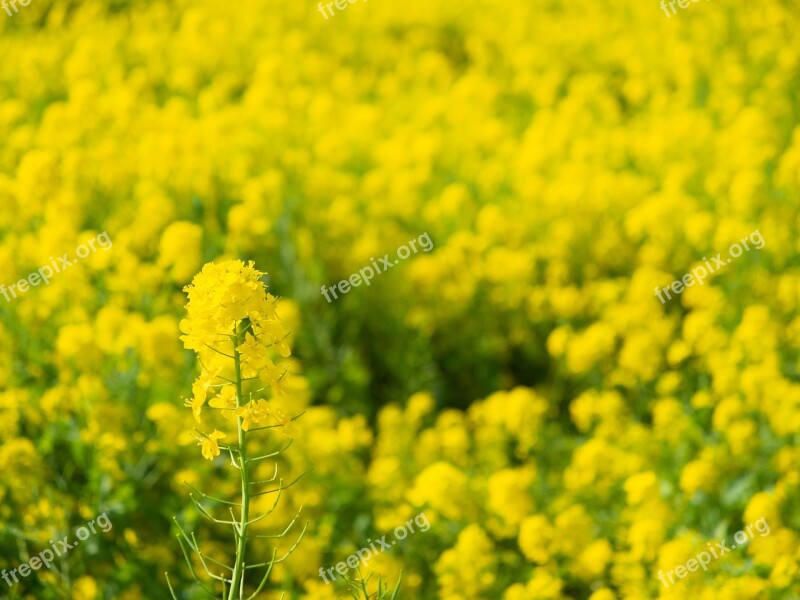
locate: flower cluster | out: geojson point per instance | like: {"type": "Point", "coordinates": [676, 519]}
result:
{"type": "Point", "coordinates": [224, 298]}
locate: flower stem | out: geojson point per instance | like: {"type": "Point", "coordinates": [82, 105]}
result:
{"type": "Point", "coordinates": [238, 570]}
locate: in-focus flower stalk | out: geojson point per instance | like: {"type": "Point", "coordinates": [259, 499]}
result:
{"type": "Point", "coordinates": [233, 328]}
{"type": "Point", "coordinates": [244, 469]}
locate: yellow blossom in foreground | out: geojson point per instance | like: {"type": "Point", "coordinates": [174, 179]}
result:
{"type": "Point", "coordinates": [209, 444]}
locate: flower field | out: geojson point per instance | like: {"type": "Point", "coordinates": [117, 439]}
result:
{"type": "Point", "coordinates": [436, 300]}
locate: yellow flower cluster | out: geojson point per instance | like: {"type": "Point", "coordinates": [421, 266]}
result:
{"type": "Point", "coordinates": [224, 298]}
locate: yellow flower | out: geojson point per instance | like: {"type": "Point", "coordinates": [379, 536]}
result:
{"type": "Point", "coordinates": [574, 529]}
{"type": "Point", "coordinates": [276, 334]}
{"type": "Point", "coordinates": [180, 249]}
{"type": "Point", "coordinates": [742, 436]}
{"type": "Point", "coordinates": [763, 505]}
{"type": "Point", "coordinates": [285, 421]}
{"type": "Point", "coordinates": [85, 588]}
{"type": "Point", "coordinates": [209, 445]}
{"type": "Point", "coordinates": [537, 539]}
{"type": "Point", "coordinates": [509, 494]}
{"type": "Point", "coordinates": [254, 412]}
{"type": "Point", "coordinates": [785, 571]}
{"type": "Point", "coordinates": [603, 594]}
{"type": "Point", "coordinates": [646, 532]}
{"type": "Point", "coordinates": [198, 400]}
{"type": "Point", "coordinates": [225, 400]}
{"type": "Point", "coordinates": [275, 376]}
{"type": "Point", "coordinates": [544, 585]}
{"type": "Point", "coordinates": [253, 355]}
{"type": "Point", "coordinates": [441, 486]}
{"type": "Point", "coordinates": [593, 559]}
{"type": "Point", "coordinates": [473, 548]}
{"type": "Point", "coordinates": [698, 475]}
{"type": "Point", "coordinates": [678, 551]}
{"type": "Point", "coordinates": [640, 487]}
{"type": "Point", "coordinates": [419, 405]}
{"type": "Point", "coordinates": [220, 296]}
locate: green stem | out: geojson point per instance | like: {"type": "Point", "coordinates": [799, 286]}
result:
{"type": "Point", "coordinates": [238, 569]}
